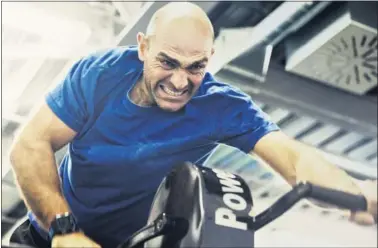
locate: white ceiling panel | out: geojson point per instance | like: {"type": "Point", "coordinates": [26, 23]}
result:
{"type": "Point", "coordinates": [364, 151]}
{"type": "Point", "coordinates": [278, 114]}
{"type": "Point", "coordinates": [344, 142]}
{"type": "Point", "coordinates": [318, 136]}
{"type": "Point", "coordinates": [298, 126]}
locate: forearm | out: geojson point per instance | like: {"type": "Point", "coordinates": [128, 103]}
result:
{"type": "Point", "coordinates": [311, 166]}
{"type": "Point", "coordinates": [296, 162]}
{"type": "Point", "coordinates": [36, 174]}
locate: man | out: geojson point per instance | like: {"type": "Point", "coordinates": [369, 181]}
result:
{"type": "Point", "coordinates": [129, 115]}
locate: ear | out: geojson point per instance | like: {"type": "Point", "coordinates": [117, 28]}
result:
{"type": "Point", "coordinates": [211, 53]}
{"type": "Point", "coordinates": [142, 46]}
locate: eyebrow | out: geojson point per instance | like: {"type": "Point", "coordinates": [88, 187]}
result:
{"type": "Point", "coordinates": [164, 55]}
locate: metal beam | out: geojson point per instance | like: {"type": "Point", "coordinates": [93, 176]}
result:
{"type": "Point", "coordinates": [285, 19]}
{"type": "Point", "coordinates": [308, 98]}
{"type": "Point", "coordinates": [128, 35]}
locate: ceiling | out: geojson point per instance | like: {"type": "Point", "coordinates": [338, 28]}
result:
{"type": "Point", "coordinates": [341, 123]}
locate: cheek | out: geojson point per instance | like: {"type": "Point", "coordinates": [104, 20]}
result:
{"type": "Point", "coordinates": [196, 80]}
{"type": "Point", "coordinates": [160, 75]}
{"type": "Point", "coordinates": [154, 74]}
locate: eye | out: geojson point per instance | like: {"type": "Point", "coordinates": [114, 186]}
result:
{"type": "Point", "coordinates": [167, 64]}
{"type": "Point", "coordinates": [196, 68]}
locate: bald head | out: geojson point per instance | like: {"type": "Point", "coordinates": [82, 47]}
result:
{"type": "Point", "coordinates": [175, 51]}
{"type": "Point", "coordinates": [180, 16]}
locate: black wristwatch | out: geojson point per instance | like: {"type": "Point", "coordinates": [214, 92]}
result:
{"type": "Point", "coordinates": [63, 224]}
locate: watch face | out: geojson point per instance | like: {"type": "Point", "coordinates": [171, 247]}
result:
{"type": "Point", "coordinates": [64, 224]}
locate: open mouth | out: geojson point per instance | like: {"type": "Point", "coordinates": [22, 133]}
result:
{"type": "Point", "coordinates": [172, 92]}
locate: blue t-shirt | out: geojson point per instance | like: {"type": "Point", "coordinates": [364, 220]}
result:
{"type": "Point", "coordinates": [122, 151]}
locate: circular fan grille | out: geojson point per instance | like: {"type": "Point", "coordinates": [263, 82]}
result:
{"type": "Point", "coordinates": [348, 60]}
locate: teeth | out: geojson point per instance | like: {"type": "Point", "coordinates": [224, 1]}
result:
{"type": "Point", "coordinates": [172, 93]}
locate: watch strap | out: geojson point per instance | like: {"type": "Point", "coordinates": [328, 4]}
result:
{"type": "Point", "coordinates": [63, 224]}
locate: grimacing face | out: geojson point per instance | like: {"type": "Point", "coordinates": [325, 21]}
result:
{"type": "Point", "coordinates": [174, 70]}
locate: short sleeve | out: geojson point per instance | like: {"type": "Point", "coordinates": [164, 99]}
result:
{"type": "Point", "coordinates": [70, 99]}
{"type": "Point", "coordinates": [243, 123]}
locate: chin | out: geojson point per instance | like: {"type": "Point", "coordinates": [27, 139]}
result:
{"type": "Point", "coordinates": [171, 107]}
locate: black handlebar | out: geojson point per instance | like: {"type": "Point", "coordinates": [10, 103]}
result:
{"type": "Point", "coordinates": [338, 198]}
{"type": "Point", "coordinates": [282, 205]}
{"type": "Point", "coordinates": [164, 225]}
{"type": "Point", "coordinates": [308, 190]}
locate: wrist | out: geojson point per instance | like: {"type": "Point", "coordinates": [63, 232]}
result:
{"type": "Point", "coordinates": [63, 224]}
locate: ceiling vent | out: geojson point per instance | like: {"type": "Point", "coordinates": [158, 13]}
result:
{"type": "Point", "coordinates": [340, 50]}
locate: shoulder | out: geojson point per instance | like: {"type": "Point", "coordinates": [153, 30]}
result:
{"type": "Point", "coordinates": [223, 93]}
{"type": "Point", "coordinates": [111, 60]}
{"type": "Point", "coordinates": [116, 56]}
{"type": "Point", "coordinates": [96, 75]}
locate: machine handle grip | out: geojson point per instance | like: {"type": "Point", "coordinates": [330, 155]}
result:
{"type": "Point", "coordinates": [338, 198]}
{"type": "Point", "coordinates": [308, 190]}
{"type": "Point", "coordinates": [162, 225]}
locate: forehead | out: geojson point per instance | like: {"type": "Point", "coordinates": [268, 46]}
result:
{"type": "Point", "coordinates": [183, 43]}
{"type": "Point", "coordinates": [184, 51]}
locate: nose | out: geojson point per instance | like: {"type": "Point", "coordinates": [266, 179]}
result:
{"type": "Point", "coordinates": [179, 80]}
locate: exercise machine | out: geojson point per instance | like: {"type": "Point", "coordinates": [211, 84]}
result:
{"type": "Point", "coordinates": [204, 207]}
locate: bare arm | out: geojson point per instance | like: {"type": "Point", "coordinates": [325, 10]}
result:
{"type": "Point", "coordinates": [297, 162]}
{"type": "Point", "coordinates": [34, 165]}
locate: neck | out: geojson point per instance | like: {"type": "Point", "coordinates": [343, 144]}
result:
{"type": "Point", "coordinates": [139, 94]}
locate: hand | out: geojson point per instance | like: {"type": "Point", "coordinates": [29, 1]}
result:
{"type": "Point", "coordinates": [71, 240]}
{"type": "Point", "coordinates": [369, 190]}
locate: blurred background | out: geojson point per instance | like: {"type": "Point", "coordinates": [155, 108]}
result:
{"type": "Point", "coordinates": [311, 66]}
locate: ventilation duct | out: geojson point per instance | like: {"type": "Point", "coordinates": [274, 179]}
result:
{"type": "Point", "coordinates": [239, 45]}
{"type": "Point", "coordinates": [340, 50]}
